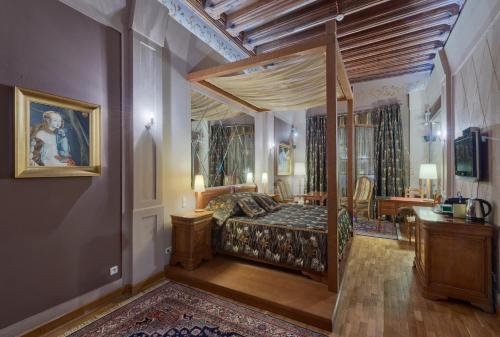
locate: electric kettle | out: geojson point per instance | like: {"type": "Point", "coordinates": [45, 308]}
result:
{"type": "Point", "coordinates": [474, 210]}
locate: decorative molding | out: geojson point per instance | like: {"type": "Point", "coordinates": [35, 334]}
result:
{"type": "Point", "coordinates": [189, 20]}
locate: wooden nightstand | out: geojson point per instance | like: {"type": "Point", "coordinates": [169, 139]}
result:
{"type": "Point", "coordinates": [191, 238]}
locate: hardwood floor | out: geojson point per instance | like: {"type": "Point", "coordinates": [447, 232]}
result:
{"type": "Point", "coordinates": [380, 297]}
{"type": "Point", "coordinates": [270, 289]}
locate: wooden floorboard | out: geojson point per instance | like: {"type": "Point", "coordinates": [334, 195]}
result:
{"type": "Point", "coordinates": [285, 293]}
{"type": "Point", "coordinates": [380, 297]}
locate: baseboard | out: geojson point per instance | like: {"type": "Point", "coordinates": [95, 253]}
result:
{"type": "Point", "coordinates": [20, 328]}
{"type": "Point", "coordinates": [30, 326]}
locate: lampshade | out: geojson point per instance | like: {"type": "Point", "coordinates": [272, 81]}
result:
{"type": "Point", "coordinates": [249, 178]}
{"type": "Point", "coordinates": [265, 178]}
{"type": "Point", "coordinates": [300, 169]}
{"type": "Point", "coordinates": [428, 171]}
{"type": "Point", "coordinates": [199, 183]}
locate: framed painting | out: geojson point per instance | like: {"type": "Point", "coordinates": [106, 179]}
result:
{"type": "Point", "coordinates": [284, 160]}
{"type": "Point", "coordinates": [55, 136]}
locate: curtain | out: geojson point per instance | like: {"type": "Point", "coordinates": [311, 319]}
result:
{"type": "Point", "coordinates": [389, 153]}
{"type": "Point", "coordinates": [218, 140]}
{"type": "Point", "coordinates": [316, 154]}
{"type": "Point", "coordinates": [240, 155]}
{"type": "Point", "coordinates": [231, 154]}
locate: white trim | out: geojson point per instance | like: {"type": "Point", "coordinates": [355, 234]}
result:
{"type": "Point", "coordinates": [59, 310]}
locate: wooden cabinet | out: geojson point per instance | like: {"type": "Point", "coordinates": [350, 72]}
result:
{"type": "Point", "coordinates": [391, 205]}
{"type": "Point", "coordinates": [191, 238]}
{"type": "Point", "coordinates": [453, 259]}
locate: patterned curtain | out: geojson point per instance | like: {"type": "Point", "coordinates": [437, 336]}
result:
{"type": "Point", "coordinates": [218, 140]}
{"type": "Point", "coordinates": [389, 153]}
{"type": "Point", "coordinates": [316, 154]}
{"type": "Point", "coordinates": [240, 155]}
{"type": "Point", "coordinates": [231, 154]}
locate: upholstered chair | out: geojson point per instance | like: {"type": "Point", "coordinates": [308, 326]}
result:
{"type": "Point", "coordinates": [282, 189]}
{"type": "Point", "coordinates": [363, 197]}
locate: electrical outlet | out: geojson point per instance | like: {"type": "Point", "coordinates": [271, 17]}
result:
{"type": "Point", "coordinates": [113, 270]}
{"type": "Point", "coordinates": [168, 250]}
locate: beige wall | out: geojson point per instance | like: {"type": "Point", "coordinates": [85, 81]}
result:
{"type": "Point", "coordinates": [476, 103]}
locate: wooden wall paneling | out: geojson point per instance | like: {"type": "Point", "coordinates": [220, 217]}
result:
{"type": "Point", "coordinates": [331, 109]}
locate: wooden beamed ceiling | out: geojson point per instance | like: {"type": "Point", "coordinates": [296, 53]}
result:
{"type": "Point", "coordinates": [377, 38]}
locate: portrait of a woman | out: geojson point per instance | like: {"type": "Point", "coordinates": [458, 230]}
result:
{"type": "Point", "coordinates": [49, 145]}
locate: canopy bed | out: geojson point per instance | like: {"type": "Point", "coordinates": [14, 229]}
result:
{"type": "Point", "coordinates": [301, 76]}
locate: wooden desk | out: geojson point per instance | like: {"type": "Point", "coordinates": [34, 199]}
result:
{"type": "Point", "coordinates": [453, 258]}
{"type": "Point", "coordinates": [390, 205]}
{"type": "Point", "coordinates": [319, 197]}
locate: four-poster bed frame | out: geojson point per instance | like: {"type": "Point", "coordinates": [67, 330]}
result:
{"type": "Point", "coordinates": [335, 76]}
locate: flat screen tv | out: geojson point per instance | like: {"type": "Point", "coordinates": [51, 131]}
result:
{"type": "Point", "coordinates": [467, 163]}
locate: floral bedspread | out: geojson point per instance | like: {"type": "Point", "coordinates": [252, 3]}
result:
{"type": "Point", "coordinates": [294, 236]}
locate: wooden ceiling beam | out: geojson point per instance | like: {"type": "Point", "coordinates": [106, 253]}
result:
{"type": "Point", "coordinates": [393, 11]}
{"type": "Point", "coordinates": [384, 53]}
{"type": "Point", "coordinates": [396, 44]}
{"type": "Point", "coordinates": [402, 36]}
{"type": "Point", "coordinates": [433, 18]}
{"type": "Point", "coordinates": [262, 12]}
{"type": "Point", "coordinates": [301, 21]}
{"type": "Point", "coordinates": [379, 67]}
{"type": "Point", "coordinates": [409, 59]}
{"type": "Point", "coordinates": [290, 40]}
{"type": "Point", "coordinates": [216, 9]}
{"type": "Point", "coordinates": [376, 72]}
{"type": "Point", "coordinates": [387, 75]}
{"type": "Point", "coordinates": [209, 87]}
{"type": "Point", "coordinates": [427, 48]}
{"type": "Point", "coordinates": [305, 48]}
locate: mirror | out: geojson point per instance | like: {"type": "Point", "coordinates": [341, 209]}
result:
{"type": "Point", "coordinates": [222, 142]}
{"type": "Point", "coordinates": [436, 150]}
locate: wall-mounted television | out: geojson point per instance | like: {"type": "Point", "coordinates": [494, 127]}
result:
{"type": "Point", "coordinates": [467, 154]}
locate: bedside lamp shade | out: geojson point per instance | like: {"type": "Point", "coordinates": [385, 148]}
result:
{"type": "Point", "coordinates": [199, 183]}
{"type": "Point", "coordinates": [249, 178]}
{"type": "Point", "coordinates": [265, 178]}
{"type": "Point", "coordinates": [300, 169]}
{"type": "Point", "coordinates": [428, 171]}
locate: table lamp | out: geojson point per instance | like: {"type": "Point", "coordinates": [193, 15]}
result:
{"type": "Point", "coordinates": [300, 171]}
{"type": "Point", "coordinates": [428, 172]}
{"type": "Point", "coordinates": [199, 186]}
{"type": "Point", "coordinates": [249, 178]}
{"type": "Point", "coordinates": [265, 181]}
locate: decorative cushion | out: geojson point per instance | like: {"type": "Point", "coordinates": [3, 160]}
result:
{"type": "Point", "coordinates": [224, 206]}
{"type": "Point", "coordinates": [267, 203]}
{"type": "Point", "coordinates": [250, 207]}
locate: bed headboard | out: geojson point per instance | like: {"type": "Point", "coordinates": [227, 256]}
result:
{"type": "Point", "coordinates": [203, 198]}
{"type": "Point", "coordinates": [245, 188]}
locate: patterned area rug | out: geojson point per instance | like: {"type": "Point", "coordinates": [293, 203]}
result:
{"type": "Point", "coordinates": [175, 310]}
{"type": "Point", "coordinates": [370, 228]}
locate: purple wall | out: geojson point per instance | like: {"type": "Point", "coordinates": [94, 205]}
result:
{"type": "Point", "coordinates": [58, 236]}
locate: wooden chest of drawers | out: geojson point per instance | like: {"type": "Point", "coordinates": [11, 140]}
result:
{"type": "Point", "coordinates": [191, 238]}
{"type": "Point", "coordinates": [453, 259]}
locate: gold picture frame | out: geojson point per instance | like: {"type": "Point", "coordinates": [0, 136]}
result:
{"type": "Point", "coordinates": [284, 160]}
{"type": "Point", "coordinates": [55, 136]}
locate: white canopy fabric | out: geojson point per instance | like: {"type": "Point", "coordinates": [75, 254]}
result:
{"type": "Point", "coordinates": [295, 84]}
{"type": "Point", "coordinates": [206, 108]}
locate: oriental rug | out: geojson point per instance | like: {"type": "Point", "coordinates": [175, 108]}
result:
{"type": "Point", "coordinates": [175, 310]}
{"type": "Point", "coordinates": [370, 228]}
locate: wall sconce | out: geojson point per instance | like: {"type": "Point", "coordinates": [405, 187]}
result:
{"type": "Point", "coordinates": [249, 178]}
{"type": "Point", "coordinates": [265, 181]}
{"type": "Point", "coordinates": [271, 146]}
{"type": "Point", "coordinates": [149, 123]}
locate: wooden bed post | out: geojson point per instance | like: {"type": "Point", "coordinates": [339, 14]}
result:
{"type": "Point", "coordinates": [331, 154]}
{"type": "Point", "coordinates": [350, 156]}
